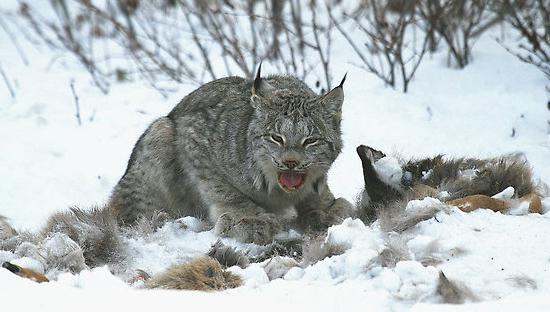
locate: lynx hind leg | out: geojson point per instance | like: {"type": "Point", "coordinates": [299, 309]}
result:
{"type": "Point", "coordinates": [152, 181]}
{"type": "Point", "coordinates": [204, 273]}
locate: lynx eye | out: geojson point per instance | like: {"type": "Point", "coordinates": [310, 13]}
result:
{"type": "Point", "coordinates": [309, 141]}
{"type": "Point", "coordinates": [277, 139]}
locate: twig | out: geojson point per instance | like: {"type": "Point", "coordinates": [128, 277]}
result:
{"type": "Point", "coordinates": [7, 82]}
{"type": "Point", "coordinates": [76, 103]}
{"type": "Point", "coordinates": [15, 42]}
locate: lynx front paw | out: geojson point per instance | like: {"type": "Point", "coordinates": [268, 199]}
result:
{"type": "Point", "coordinates": [258, 229]}
{"type": "Point", "coordinates": [320, 219]}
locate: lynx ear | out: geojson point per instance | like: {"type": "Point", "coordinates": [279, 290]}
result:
{"type": "Point", "coordinates": [333, 100]}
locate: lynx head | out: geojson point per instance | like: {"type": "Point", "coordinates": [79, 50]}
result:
{"type": "Point", "coordinates": [295, 135]}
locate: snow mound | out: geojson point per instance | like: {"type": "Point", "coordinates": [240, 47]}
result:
{"type": "Point", "coordinates": [465, 246]}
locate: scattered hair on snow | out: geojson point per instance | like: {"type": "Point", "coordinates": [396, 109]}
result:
{"type": "Point", "coordinates": [453, 292]}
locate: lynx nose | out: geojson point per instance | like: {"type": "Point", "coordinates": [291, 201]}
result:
{"type": "Point", "coordinates": [290, 164]}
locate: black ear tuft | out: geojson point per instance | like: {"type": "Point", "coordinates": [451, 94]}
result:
{"type": "Point", "coordinates": [257, 79]}
{"type": "Point", "coordinates": [341, 85]}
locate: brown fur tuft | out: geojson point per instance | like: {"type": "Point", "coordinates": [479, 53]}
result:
{"type": "Point", "coordinates": [204, 273]}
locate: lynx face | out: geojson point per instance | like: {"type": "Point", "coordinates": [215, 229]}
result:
{"type": "Point", "coordinates": [297, 135]}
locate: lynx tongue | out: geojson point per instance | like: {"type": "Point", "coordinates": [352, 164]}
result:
{"type": "Point", "coordinates": [291, 180]}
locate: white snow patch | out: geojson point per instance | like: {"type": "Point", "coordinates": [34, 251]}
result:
{"type": "Point", "coordinates": [507, 193]}
{"type": "Point", "coordinates": [389, 170]}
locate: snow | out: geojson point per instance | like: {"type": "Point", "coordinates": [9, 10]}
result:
{"type": "Point", "coordinates": [507, 193]}
{"type": "Point", "coordinates": [389, 170]}
{"type": "Point", "coordinates": [50, 163]}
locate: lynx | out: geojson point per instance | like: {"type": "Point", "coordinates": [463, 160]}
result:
{"type": "Point", "coordinates": [245, 154]}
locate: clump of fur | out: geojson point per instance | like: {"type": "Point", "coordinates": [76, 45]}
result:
{"type": "Point", "coordinates": [6, 230]}
{"type": "Point", "coordinates": [433, 254]}
{"type": "Point", "coordinates": [394, 217]}
{"type": "Point", "coordinates": [277, 267]}
{"type": "Point", "coordinates": [204, 273]}
{"type": "Point", "coordinates": [146, 225]}
{"type": "Point", "coordinates": [522, 281]}
{"type": "Point", "coordinates": [292, 247]}
{"type": "Point", "coordinates": [316, 249]}
{"type": "Point", "coordinates": [395, 250]}
{"type": "Point", "coordinates": [58, 253]}
{"type": "Point", "coordinates": [227, 256]}
{"type": "Point", "coordinates": [13, 242]}
{"type": "Point", "coordinates": [453, 292]}
{"type": "Point", "coordinates": [95, 231]}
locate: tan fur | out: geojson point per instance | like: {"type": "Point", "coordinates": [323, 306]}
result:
{"type": "Point", "coordinates": [204, 273]}
{"type": "Point", "coordinates": [422, 191]}
{"type": "Point", "coordinates": [25, 273]}
{"type": "Point", "coordinates": [32, 275]}
{"type": "Point", "coordinates": [535, 203]}
{"type": "Point", "coordinates": [473, 202]}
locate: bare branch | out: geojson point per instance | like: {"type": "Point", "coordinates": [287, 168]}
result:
{"type": "Point", "coordinates": [7, 82]}
{"type": "Point", "coordinates": [76, 103]}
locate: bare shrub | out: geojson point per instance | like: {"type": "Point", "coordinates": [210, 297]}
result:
{"type": "Point", "coordinates": [390, 47]}
{"type": "Point", "coordinates": [458, 23]}
{"type": "Point", "coordinates": [531, 18]}
{"type": "Point", "coordinates": [182, 40]}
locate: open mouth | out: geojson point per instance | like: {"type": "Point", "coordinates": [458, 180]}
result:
{"type": "Point", "coordinates": [291, 180]}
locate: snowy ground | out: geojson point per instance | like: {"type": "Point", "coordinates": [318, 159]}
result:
{"type": "Point", "coordinates": [48, 162]}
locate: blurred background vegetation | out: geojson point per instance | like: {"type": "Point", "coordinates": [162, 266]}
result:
{"type": "Point", "coordinates": [192, 41]}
